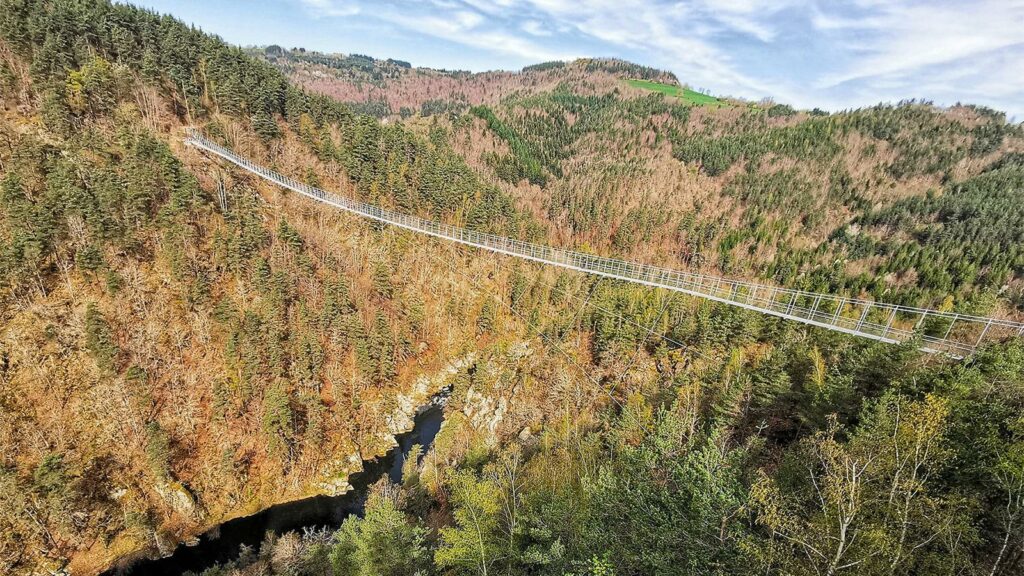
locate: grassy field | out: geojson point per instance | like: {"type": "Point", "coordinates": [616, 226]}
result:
{"type": "Point", "coordinates": [677, 91]}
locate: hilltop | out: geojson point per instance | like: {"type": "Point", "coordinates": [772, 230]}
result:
{"type": "Point", "coordinates": [393, 88]}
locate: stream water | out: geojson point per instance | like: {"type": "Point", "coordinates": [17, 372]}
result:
{"type": "Point", "coordinates": [223, 543]}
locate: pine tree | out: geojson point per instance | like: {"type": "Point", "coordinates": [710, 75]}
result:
{"type": "Point", "coordinates": [158, 450]}
{"type": "Point", "coordinates": [382, 351]}
{"type": "Point", "coordinates": [99, 338]}
{"type": "Point", "coordinates": [265, 126]}
{"type": "Point", "coordinates": [382, 281]}
{"type": "Point", "coordinates": [518, 285]}
{"type": "Point", "coordinates": [485, 321]}
{"type": "Point", "coordinates": [278, 419]}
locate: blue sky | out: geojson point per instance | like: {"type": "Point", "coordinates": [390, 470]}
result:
{"type": "Point", "coordinates": [806, 53]}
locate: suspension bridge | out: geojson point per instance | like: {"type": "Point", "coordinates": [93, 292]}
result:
{"type": "Point", "coordinates": [957, 335]}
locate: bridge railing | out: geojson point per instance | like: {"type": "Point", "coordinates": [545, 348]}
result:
{"type": "Point", "coordinates": [951, 333]}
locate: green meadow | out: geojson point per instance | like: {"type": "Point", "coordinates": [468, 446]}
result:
{"type": "Point", "coordinates": [685, 94]}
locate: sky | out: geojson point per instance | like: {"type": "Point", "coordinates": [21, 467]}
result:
{"type": "Point", "coordinates": [830, 54]}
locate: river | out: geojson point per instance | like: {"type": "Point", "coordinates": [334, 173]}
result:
{"type": "Point", "coordinates": [223, 543]}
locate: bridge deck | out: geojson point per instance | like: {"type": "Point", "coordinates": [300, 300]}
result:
{"type": "Point", "coordinates": [954, 334]}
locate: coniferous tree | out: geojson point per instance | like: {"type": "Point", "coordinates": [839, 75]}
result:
{"type": "Point", "coordinates": [99, 338]}
{"type": "Point", "coordinates": [382, 351]}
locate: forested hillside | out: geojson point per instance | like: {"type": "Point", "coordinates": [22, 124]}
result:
{"type": "Point", "coordinates": [905, 203]}
{"type": "Point", "coordinates": [181, 344]}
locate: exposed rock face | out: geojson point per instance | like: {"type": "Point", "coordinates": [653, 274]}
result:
{"type": "Point", "coordinates": [401, 420]}
{"type": "Point", "coordinates": [335, 486]}
{"type": "Point", "coordinates": [336, 473]}
{"type": "Point", "coordinates": [485, 413]}
{"type": "Point", "coordinates": [486, 408]}
{"type": "Point", "coordinates": [179, 499]}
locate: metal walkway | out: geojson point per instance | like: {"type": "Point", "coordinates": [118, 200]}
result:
{"type": "Point", "coordinates": [954, 334]}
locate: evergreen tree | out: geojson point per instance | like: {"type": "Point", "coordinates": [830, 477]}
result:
{"type": "Point", "coordinates": [158, 450]}
{"type": "Point", "coordinates": [382, 351]}
{"type": "Point", "coordinates": [99, 338]}
{"type": "Point", "coordinates": [278, 418]}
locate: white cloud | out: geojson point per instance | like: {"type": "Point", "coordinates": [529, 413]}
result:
{"type": "Point", "coordinates": [467, 19]}
{"type": "Point", "coordinates": [806, 52]}
{"type": "Point", "coordinates": [468, 23]}
{"type": "Point", "coordinates": [331, 8]}
{"type": "Point", "coordinates": [906, 37]}
{"type": "Point", "coordinates": [535, 28]}
{"type": "Point", "coordinates": [465, 27]}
